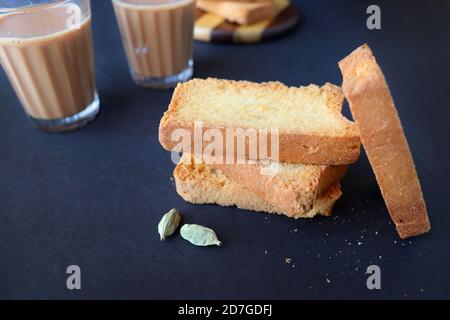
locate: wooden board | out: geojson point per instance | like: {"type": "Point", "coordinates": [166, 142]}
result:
{"type": "Point", "coordinates": [212, 28]}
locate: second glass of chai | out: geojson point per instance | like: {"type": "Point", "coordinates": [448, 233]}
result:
{"type": "Point", "coordinates": [157, 36]}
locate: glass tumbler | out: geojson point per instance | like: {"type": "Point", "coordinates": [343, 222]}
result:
{"type": "Point", "coordinates": [157, 36]}
{"type": "Point", "coordinates": [46, 52]}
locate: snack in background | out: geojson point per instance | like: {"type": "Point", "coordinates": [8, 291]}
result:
{"type": "Point", "coordinates": [240, 12]}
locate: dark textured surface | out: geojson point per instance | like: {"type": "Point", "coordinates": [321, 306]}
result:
{"type": "Point", "coordinates": [94, 197]}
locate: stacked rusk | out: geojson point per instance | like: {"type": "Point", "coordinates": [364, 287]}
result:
{"type": "Point", "coordinates": [301, 172]}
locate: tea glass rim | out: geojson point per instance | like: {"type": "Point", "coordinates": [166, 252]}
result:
{"type": "Point", "coordinates": [162, 4]}
{"type": "Point", "coordinates": [19, 7]}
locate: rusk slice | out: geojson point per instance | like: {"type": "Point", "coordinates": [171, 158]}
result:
{"type": "Point", "coordinates": [242, 1]}
{"type": "Point", "coordinates": [201, 184]}
{"type": "Point", "coordinates": [385, 143]}
{"type": "Point", "coordinates": [238, 11]}
{"type": "Point", "coordinates": [292, 188]}
{"type": "Point", "coordinates": [309, 121]}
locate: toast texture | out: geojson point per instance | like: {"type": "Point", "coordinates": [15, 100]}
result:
{"type": "Point", "coordinates": [238, 11]}
{"type": "Point", "coordinates": [385, 143]}
{"type": "Point", "coordinates": [310, 126]}
{"type": "Point", "coordinates": [201, 184]}
{"type": "Point", "coordinates": [292, 188]}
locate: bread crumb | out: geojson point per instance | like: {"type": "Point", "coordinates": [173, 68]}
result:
{"type": "Point", "coordinates": [265, 252]}
{"type": "Point", "coordinates": [359, 243]}
{"type": "Point", "coordinates": [288, 260]}
{"type": "Point", "coordinates": [328, 280]}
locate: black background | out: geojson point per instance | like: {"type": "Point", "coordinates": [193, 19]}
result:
{"type": "Point", "coordinates": [94, 197]}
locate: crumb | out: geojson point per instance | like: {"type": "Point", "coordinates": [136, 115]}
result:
{"type": "Point", "coordinates": [376, 233]}
{"type": "Point", "coordinates": [318, 255]}
{"type": "Point", "coordinates": [328, 280]}
{"type": "Point", "coordinates": [295, 230]}
{"type": "Point", "coordinates": [293, 266]}
{"type": "Point", "coordinates": [421, 290]}
{"type": "Point", "coordinates": [171, 179]}
{"type": "Point", "coordinates": [359, 243]}
{"type": "Point", "coordinates": [288, 260]}
{"type": "Point", "coordinates": [265, 252]}
{"type": "Point", "coordinates": [380, 257]}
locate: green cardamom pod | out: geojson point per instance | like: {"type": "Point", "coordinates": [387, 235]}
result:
{"type": "Point", "coordinates": [199, 235]}
{"type": "Point", "coordinates": [169, 223]}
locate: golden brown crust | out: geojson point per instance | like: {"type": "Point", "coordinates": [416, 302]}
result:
{"type": "Point", "coordinates": [294, 147]}
{"type": "Point", "coordinates": [202, 184]}
{"type": "Point", "coordinates": [245, 1]}
{"type": "Point", "coordinates": [295, 197]}
{"type": "Point", "coordinates": [239, 12]}
{"type": "Point", "coordinates": [385, 143]}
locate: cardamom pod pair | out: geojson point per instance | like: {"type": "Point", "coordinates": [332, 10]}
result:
{"type": "Point", "coordinates": [194, 233]}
